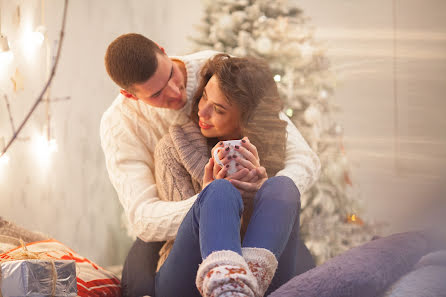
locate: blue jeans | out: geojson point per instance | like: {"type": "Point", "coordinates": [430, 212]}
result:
{"type": "Point", "coordinates": [213, 224]}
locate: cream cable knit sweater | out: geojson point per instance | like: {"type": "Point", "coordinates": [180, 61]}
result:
{"type": "Point", "coordinates": [129, 133]}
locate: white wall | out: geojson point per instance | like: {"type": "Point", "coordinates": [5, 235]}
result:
{"type": "Point", "coordinates": [72, 199]}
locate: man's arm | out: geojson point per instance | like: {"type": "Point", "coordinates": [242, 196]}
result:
{"type": "Point", "coordinates": [129, 161]}
{"type": "Point", "coordinates": [302, 165]}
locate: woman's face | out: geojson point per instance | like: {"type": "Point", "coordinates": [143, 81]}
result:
{"type": "Point", "coordinates": [217, 117]}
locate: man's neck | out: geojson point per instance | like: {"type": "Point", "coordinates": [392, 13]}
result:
{"type": "Point", "coordinates": [182, 67]}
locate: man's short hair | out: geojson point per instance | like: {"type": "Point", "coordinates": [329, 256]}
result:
{"type": "Point", "coordinates": [131, 58]}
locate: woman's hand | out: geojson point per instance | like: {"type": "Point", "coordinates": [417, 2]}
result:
{"type": "Point", "coordinates": [251, 158]}
{"type": "Point", "coordinates": [249, 182]}
{"type": "Point", "coordinates": [248, 179]}
{"type": "Point", "coordinates": [248, 189]}
{"type": "Point", "coordinates": [213, 171]}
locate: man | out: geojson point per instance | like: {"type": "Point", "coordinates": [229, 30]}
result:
{"type": "Point", "coordinates": [156, 92]}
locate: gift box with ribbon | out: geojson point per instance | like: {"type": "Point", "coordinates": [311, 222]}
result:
{"type": "Point", "coordinates": [38, 277]}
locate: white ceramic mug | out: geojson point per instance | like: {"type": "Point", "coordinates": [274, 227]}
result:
{"type": "Point", "coordinates": [232, 152]}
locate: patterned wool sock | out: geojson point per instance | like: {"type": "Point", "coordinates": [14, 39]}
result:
{"type": "Point", "coordinates": [225, 274]}
{"type": "Point", "coordinates": [263, 265]}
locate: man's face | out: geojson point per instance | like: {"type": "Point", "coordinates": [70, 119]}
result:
{"type": "Point", "coordinates": [165, 89]}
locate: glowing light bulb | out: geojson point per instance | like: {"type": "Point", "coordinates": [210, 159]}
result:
{"type": "Point", "coordinates": [32, 40]}
{"type": "Point", "coordinates": [35, 38]}
{"type": "Point", "coordinates": [277, 77]}
{"type": "Point", "coordinates": [52, 146]}
{"type": "Point", "coordinates": [354, 219]}
{"type": "Point", "coordinates": [4, 159]}
{"type": "Point", "coordinates": [289, 112]}
{"type": "Point", "coordinates": [323, 94]}
{"type": "Point", "coordinates": [38, 37]}
{"type": "Point", "coordinates": [262, 19]}
{"type": "Point", "coordinates": [43, 148]}
{"type": "Point", "coordinates": [6, 57]}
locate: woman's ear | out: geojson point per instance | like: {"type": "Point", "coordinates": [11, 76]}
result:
{"type": "Point", "coordinates": [127, 94]}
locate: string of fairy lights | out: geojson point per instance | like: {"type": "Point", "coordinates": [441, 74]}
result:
{"type": "Point", "coordinates": [44, 144]}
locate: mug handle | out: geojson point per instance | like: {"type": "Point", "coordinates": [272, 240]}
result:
{"type": "Point", "coordinates": [216, 159]}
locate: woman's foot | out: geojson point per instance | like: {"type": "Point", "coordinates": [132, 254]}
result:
{"type": "Point", "coordinates": [263, 265]}
{"type": "Point", "coordinates": [225, 274]}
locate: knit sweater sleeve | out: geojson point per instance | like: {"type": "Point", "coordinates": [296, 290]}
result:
{"type": "Point", "coordinates": [302, 165]}
{"type": "Point", "coordinates": [129, 161]}
{"type": "Point", "coordinates": [173, 181]}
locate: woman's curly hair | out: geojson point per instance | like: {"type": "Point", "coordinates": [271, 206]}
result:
{"type": "Point", "coordinates": [248, 83]}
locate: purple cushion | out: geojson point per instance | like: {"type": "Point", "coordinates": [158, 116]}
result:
{"type": "Point", "coordinates": [364, 271]}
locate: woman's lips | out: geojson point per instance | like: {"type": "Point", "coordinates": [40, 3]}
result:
{"type": "Point", "coordinates": [203, 125]}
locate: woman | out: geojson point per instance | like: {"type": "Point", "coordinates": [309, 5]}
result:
{"type": "Point", "coordinates": [237, 98]}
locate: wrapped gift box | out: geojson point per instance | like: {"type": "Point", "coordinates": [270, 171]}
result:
{"type": "Point", "coordinates": [38, 278]}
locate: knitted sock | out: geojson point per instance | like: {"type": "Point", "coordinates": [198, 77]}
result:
{"type": "Point", "coordinates": [225, 274]}
{"type": "Point", "coordinates": [263, 265]}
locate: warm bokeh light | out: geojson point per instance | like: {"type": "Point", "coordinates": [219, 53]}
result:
{"type": "Point", "coordinates": [6, 57]}
{"type": "Point", "coordinates": [43, 148]}
{"type": "Point", "coordinates": [4, 159]}
{"type": "Point", "coordinates": [35, 38]}
{"type": "Point", "coordinates": [32, 40]}
{"type": "Point", "coordinates": [323, 94]}
{"type": "Point", "coordinates": [306, 50]}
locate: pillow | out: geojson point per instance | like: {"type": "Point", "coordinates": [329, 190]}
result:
{"type": "Point", "coordinates": [12, 230]}
{"type": "Point", "coordinates": [426, 279]}
{"type": "Point", "coordinates": [7, 243]}
{"type": "Point", "coordinates": [365, 271]}
{"type": "Point", "coordinates": [92, 280]}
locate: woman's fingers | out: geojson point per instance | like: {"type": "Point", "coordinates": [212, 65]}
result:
{"type": "Point", "coordinates": [247, 155]}
{"type": "Point", "coordinates": [222, 173]}
{"type": "Point", "coordinates": [254, 179]}
{"type": "Point", "coordinates": [239, 174]}
{"type": "Point", "coordinates": [244, 186]}
{"type": "Point", "coordinates": [250, 176]}
{"type": "Point", "coordinates": [208, 174]}
{"type": "Point", "coordinates": [221, 151]}
{"type": "Point", "coordinates": [250, 147]}
{"type": "Point", "coordinates": [217, 167]}
{"type": "Point", "coordinates": [208, 168]}
{"type": "Point", "coordinates": [261, 172]}
{"type": "Point", "coordinates": [246, 163]}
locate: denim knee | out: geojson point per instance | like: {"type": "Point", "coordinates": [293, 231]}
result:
{"type": "Point", "coordinates": [281, 188]}
{"type": "Point", "coordinates": [221, 191]}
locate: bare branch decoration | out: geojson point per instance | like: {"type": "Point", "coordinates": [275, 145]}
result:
{"type": "Point", "coordinates": [48, 83]}
{"type": "Point", "coordinates": [11, 120]}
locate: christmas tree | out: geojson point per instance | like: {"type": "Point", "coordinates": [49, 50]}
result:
{"type": "Point", "coordinates": [278, 32]}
